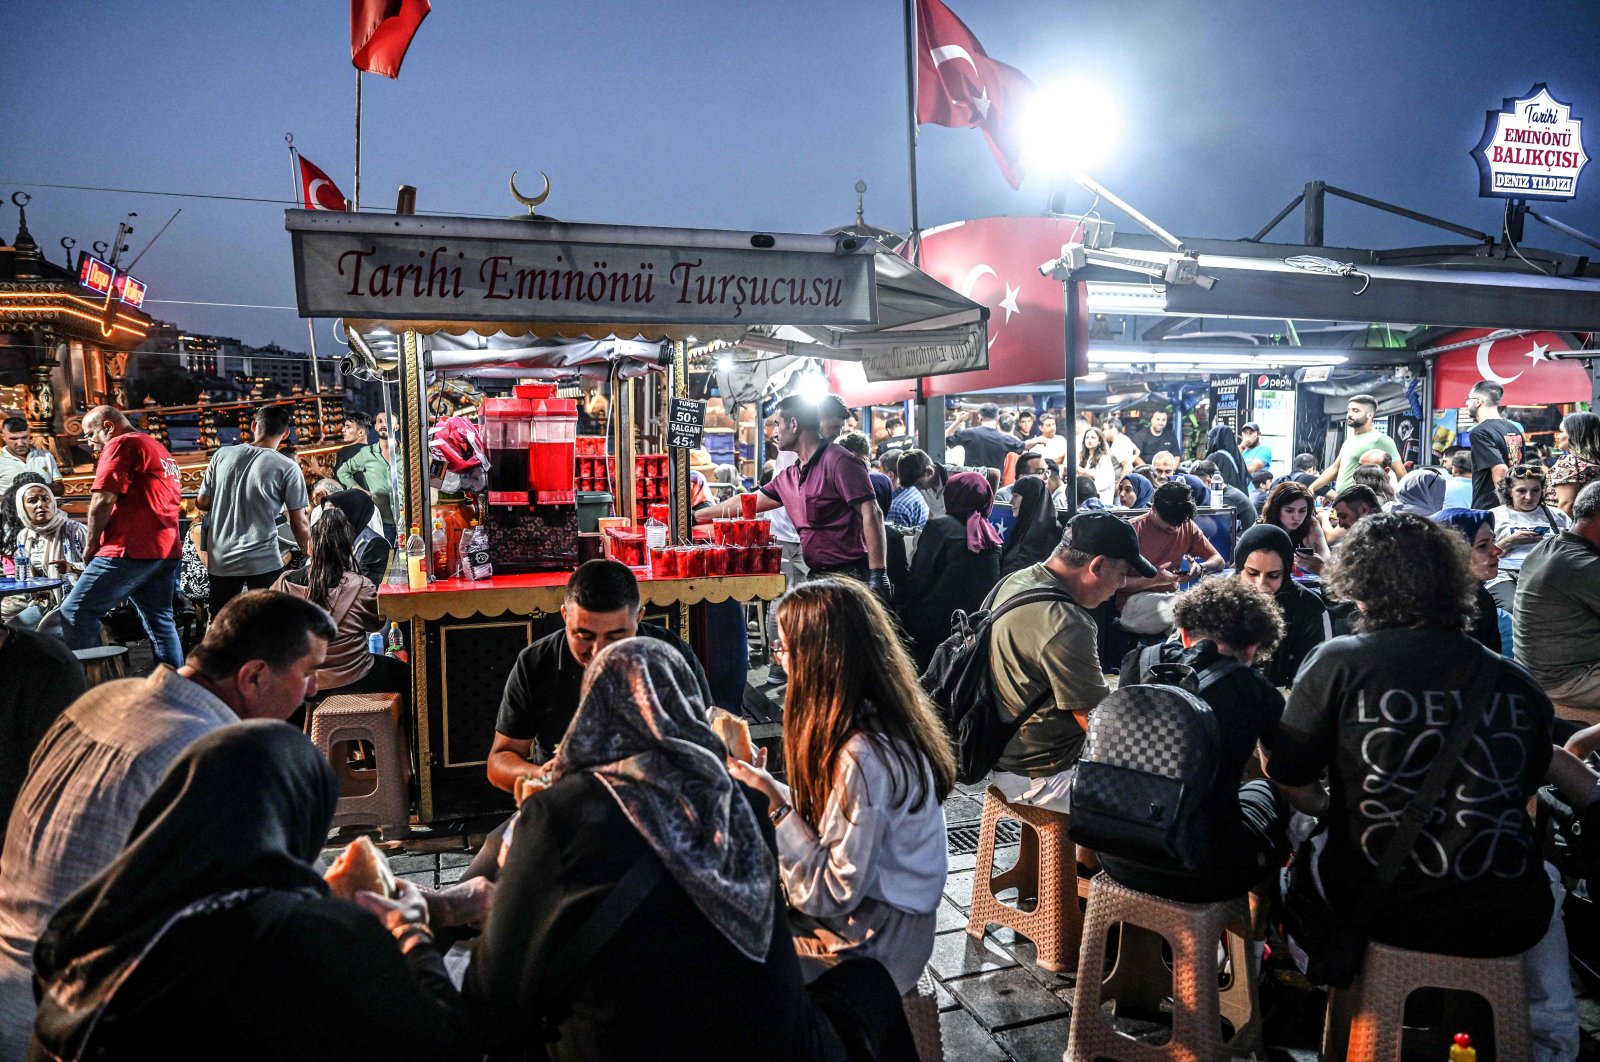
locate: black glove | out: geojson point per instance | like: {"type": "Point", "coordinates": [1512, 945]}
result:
{"type": "Point", "coordinates": [878, 583]}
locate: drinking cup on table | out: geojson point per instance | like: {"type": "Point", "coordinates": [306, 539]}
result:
{"type": "Point", "coordinates": [747, 505]}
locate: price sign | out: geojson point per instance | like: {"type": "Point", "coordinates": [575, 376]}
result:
{"type": "Point", "coordinates": [686, 423]}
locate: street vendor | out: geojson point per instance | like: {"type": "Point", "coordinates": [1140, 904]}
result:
{"type": "Point", "coordinates": [828, 495]}
{"type": "Point", "coordinates": [601, 606]}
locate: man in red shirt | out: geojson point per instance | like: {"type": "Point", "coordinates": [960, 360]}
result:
{"type": "Point", "coordinates": [1168, 537]}
{"type": "Point", "coordinates": [133, 551]}
{"type": "Point", "coordinates": [829, 497]}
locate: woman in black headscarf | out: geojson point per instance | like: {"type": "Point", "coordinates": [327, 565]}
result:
{"type": "Point", "coordinates": [1037, 531]}
{"type": "Point", "coordinates": [956, 565]}
{"type": "Point", "coordinates": [1264, 556]}
{"type": "Point", "coordinates": [1224, 453]}
{"type": "Point", "coordinates": [637, 912]}
{"type": "Point", "coordinates": [213, 934]}
{"type": "Point", "coordinates": [371, 549]}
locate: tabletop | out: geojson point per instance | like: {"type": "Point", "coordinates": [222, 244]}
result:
{"type": "Point", "coordinates": [29, 586]}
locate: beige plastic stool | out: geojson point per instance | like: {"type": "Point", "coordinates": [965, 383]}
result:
{"type": "Point", "coordinates": [1365, 1022]}
{"type": "Point", "coordinates": [922, 1014]}
{"type": "Point", "coordinates": [1139, 978]}
{"type": "Point", "coordinates": [102, 663]}
{"type": "Point", "coordinates": [1045, 877]}
{"type": "Point", "coordinates": [372, 717]}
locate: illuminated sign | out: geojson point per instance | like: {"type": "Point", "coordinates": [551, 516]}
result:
{"type": "Point", "coordinates": [100, 278]}
{"type": "Point", "coordinates": [95, 274]}
{"type": "Point", "coordinates": [129, 290]}
{"type": "Point", "coordinates": [1532, 148]}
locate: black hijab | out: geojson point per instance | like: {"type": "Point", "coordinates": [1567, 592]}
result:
{"type": "Point", "coordinates": [357, 506]}
{"type": "Point", "coordinates": [243, 810]}
{"type": "Point", "coordinates": [1269, 537]}
{"type": "Point", "coordinates": [1224, 453]}
{"type": "Point", "coordinates": [1036, 533]}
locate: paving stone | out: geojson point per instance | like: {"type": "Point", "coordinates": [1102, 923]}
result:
{"type": "Point", "coordinates": [945, 1000]}
{"type": "Point", "coordinates": [451, 875]}
{"type": "Point", "coordinates": [426, 878]}
{"type": "Point", "coordinates": [1005, 997]}
{"type": "Point", "coordinates": [959, 808]}
{"type": "Point", "coordinates": [1025, 952]}
{"type": "Point", "coordinates": [966, 1040]}
{"type": "Point", "coordinates": [958, 888]}
{"type": "Point", "coordinates": [406, 863]}
{"type": "Point", "coordinates": [1043, 1041]}
{"type": "Point", "coordinates": [455, 859]}
{"type": "Point", "coordinates": [949, 917]}
{"type": "Point", "coordinates": [965, 861]}
{"type": "Point", "coordinates": [957, 955]}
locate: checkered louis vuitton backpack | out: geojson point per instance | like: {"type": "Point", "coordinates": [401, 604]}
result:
{"type": "Point", "coordinates": [1140, 788]}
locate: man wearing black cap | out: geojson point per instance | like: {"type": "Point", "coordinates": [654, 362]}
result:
{"type": "Point", "coordinates": [1046, 654]}
{"type": "Point", "coordinates": [1257, 454]}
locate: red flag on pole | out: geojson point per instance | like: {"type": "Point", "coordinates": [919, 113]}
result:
{"type": "Point", "coordinates": [958, 85]}
{"type": "Point", "coordinates": [317, 189]}
{"type": "Point", "coordinates": [381, 31]}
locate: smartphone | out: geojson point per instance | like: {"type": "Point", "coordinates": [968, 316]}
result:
{"type": "Point", "coordinates": [1305, 550]}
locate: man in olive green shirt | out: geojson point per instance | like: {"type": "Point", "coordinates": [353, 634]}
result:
{"type": "Point", "coordinates": [361, 464]}
{"type": "Point", "coordinates": [1048, 654]}
{"type": "Point", "coordinates": [1360, 417]}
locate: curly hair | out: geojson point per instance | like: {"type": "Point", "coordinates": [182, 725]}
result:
{"type": "Point", "coordinates": [1527, 470]}
{"type": "Point", "coordinates": [1232, 612]}
{"type": "Point", "coordinates": [1405, 572]}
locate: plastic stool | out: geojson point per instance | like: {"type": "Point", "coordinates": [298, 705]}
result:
{"type": "Point", "coordinates": [1365, 1022]}
{"type": "Point", "coordinates": [372, 717]}
{"type": "Point", "coordinates": [922, 1014]}
{"type": "Point", "coordinates": [102, 663]}
{"type": "Point", "coordinates": [1045, 874]}
{"type": "Point", "coordinates": [1140, 977]}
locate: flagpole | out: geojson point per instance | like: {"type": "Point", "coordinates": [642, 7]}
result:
{"type": "Point", "coordinates": [356, 203]}
{"type": "Point", "coordinates": [311, 332]}
{"type": "Point", "coordinates": [911, 126]}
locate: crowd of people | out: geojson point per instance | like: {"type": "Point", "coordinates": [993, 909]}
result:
{"type": "Point", "coordinates": [1340, 639]}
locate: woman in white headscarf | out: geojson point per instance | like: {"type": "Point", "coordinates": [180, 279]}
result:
{"type": "Point", "coordinates": [54, 543]}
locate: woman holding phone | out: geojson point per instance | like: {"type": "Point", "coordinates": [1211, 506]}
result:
{"type": "Point", "coordinates": [1521, 521]}
{"type": "Point", "coordinates": [1289, 506]}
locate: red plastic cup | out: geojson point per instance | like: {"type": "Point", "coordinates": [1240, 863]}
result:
{"type": "Point", "coordinates": [760, 533]}
{"type": "Point", "coordinates": [771, 559]}
{"type": "Point", "coordinates": [717, 559]}
{"type": "Point", "coordinates": [682, 565]}
{"type": "Point", "coordinates": [697, 558]}
{"type": "Point", "coordinates": [661, 563]}
{"type": "Point", "coordinates": [661, 513]}
{"type": "Point", "coordinates": [747, 504]}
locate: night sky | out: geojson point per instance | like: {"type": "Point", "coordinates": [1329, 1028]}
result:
{"type": "Point", "coordinates": [739, 115]}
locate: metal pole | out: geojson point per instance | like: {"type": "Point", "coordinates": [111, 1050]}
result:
{"type": "Point", "coordinates": [1069, 335]}
{"type": "Point", "coordinates": [311, 331]}
{"type": "Point", "coordinates": [357, 201]}
{"type": "Point", "coordinates": [915, 236]}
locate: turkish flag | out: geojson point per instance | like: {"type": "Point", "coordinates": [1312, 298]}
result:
{"type": "Point", "coordinates": [381, 31]}
{"type": "Point", "coordinates": [959, 86]}
{"type": "Point", "coordinates": [1519, 363]}
{"type": "Point", "coordinates": [317, 190]}
{"type": "Point", "coordinates": [995, 261]}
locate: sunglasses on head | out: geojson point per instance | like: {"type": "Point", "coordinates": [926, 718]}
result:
{"type": "Point", "coordinates": [1528, 472]}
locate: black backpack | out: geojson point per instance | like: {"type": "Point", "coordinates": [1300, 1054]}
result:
{"type": "Point", "coordinates": [1141, 785]}
{"type": "Point", "coordinates": [959, 682]}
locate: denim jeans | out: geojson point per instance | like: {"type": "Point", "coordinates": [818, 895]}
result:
{"type": "Point", "coordinates": [146, 584]}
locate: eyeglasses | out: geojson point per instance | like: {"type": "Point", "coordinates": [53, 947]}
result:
{"type": "Point", "coordinates": [778, 649]}
{"type": "Point", "coordinates": [1528, 472]}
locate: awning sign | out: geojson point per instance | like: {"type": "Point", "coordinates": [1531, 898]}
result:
{"type": "Point", "coordinates": [910, 360]}
{"type": "Point", "coordinates": [1532, 148]}
{"type": "Point", "coordinates": [480, 273]}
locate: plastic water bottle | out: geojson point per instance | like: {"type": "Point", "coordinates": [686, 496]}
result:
{"type": "Point", "coordinates": [397, 643]}
{"type": "Point", "coordinates": [416, 561]}
{"type": "Point", "coordinates": [22, 562]}
{"type": "Point", "coordinates": [1216, 486]}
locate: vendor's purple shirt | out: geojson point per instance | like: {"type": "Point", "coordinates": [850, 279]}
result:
{"type": "Point", "coordinates": [821, 496]}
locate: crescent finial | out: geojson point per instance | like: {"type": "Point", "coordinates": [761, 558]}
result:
{"type": "Point", "coordinates": [530, 201]}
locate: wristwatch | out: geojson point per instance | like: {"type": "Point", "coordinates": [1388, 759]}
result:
{"type": "Point", "coordinates": [782, 813]}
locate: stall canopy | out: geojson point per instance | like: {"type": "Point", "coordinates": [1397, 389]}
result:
{"type": "Point", "coordinates": [483, 287]}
